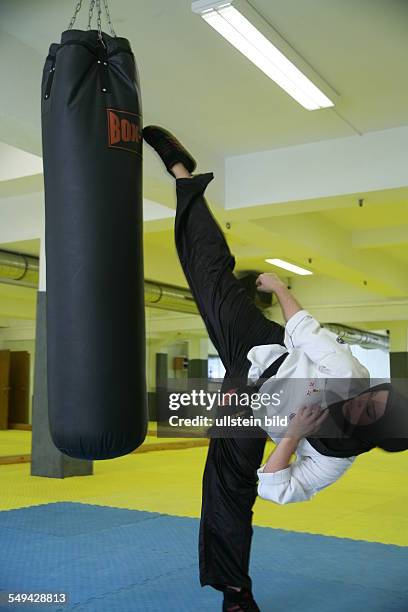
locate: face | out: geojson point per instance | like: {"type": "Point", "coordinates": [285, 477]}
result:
{"type": "Point", "coordinates": [366, 408]}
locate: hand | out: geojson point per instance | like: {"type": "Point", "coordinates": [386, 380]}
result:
{"type": "Point", "coordinates": [306, 421]}
{"type": "Point", "coordinates": [269, 282]}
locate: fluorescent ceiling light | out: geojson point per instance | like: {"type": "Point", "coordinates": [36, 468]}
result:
{"type": "Point", "coordinates": [281, 263]}
{"type": "Point", "coordinates": [245, 37]}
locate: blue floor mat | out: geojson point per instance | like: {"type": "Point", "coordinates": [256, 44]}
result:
{"type": "Point", "coordinates": [116, 560]}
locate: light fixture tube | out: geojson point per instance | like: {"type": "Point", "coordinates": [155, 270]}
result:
{"type": "Point", "coordinates": [281, 263]}
{"type": "Point", "coordinates": [245, 37]}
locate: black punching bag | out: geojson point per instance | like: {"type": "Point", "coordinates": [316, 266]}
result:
{"type": "Point", "coordinates": [92, 151]}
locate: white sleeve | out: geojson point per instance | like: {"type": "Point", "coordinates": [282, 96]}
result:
{"type": "Point", "coordinates": [302, 479]}
{"type": "Point", "coordinates": [333, 358]}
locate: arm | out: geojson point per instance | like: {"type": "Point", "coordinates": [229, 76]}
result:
{"type": "Point", "coordinates": [307, 420]}
{"type": "Point", "coordinates": [282, 483]}
{"type": "Point", "coordinates": [302, 479]}
{"type": "Point", "coordinates": [304, 332]}
{"type": "Point", "coordinates": [279, 459]}
{"type": "Point", "coordinates": [333, 357]}
{"type": "Point", "coordinates": [271, 283]}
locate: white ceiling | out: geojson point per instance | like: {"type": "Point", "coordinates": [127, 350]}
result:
{"type": "Point", "coordinates": [220, 105]}
{"type": "Point", "coordinates": [15, 163]}
{"type": "Point", "coordinates": [197, 84]}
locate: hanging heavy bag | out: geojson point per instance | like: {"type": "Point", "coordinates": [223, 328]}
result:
{"type": "Point", "coordinates": [92, 151]}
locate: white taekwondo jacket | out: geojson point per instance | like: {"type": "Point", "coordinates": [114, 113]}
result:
{"type": "Point", "coordinates": [316, 355]}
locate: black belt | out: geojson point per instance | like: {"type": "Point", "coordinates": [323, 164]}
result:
{"type": "Point", "coordinates": [270, 371]}
{"type": "Point", "coordinates": [228, 407]}
{"type": "Point", "coordinates": [237, 387]}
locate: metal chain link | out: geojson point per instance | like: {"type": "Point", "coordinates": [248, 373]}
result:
{"type": "Point", "coordinates": [90, 14]}
{"type": "Point", "coordinates": [108, 17]}
{"type": "Point", "coordinates": [98, 20]}
{"type": "Point", "coordinates": [74, 16]}
{"type": "Point", "coordinates": [92, 5]}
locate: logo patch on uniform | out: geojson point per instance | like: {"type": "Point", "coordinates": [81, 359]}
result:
{"type": "Point", "coordinates": [124, 130]}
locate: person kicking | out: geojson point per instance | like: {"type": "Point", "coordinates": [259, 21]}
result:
{"type": "Point", "coordinates": [255, 348]}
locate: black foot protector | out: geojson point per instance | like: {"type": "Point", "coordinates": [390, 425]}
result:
{"type": "Point", "coordinates": [239, 601]}
{"type": "Point", "coordinates": [168, 147]}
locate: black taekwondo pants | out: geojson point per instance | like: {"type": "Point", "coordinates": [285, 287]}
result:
{"type": "Point", "coordinates": [234, 325]}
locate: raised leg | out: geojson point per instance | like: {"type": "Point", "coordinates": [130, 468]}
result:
{"type": "Point", "coordinates": [233, 322]}
{"type": "Point", "coordinates": [234, 325]}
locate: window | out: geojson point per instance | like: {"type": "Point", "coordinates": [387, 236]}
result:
{"type": "Point", "coordinates": [215, 367]}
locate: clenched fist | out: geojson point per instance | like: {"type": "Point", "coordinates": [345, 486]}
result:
{"type": "Point", "coordinates": [306, 421]}
{"type": "Point", "coordinates": [269, 282]}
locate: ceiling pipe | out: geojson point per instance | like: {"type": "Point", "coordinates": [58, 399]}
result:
{"type": "Point", "coordinates": [168, 297]}
{"type": "Point", "coordinates": [19, 269]}
{"type": "Point", "coordinates": [23, 270]}
{"type": "Point", "coordinates": [363, 338]}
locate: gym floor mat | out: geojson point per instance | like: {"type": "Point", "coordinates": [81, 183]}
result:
{"type": "Point", "coordinates": [15, 445]}
{"type": "Point", "coordinates": [117, 560]}
{"type": "Point", "coordinates": [368, 503]}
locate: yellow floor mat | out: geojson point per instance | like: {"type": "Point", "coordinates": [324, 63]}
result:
{"type": "Point", "coordinates": [15, 445]}
{"type": "Point", "coordinates": [15, 442]}
{"type": "Point", "coordinates": [368, 503]}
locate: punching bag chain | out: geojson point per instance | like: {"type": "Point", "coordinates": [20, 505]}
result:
{"type": "Point", "coordinates": [108, 17]}
{"type": "Point", "coordinates": [75, 15]}
{"type": "Point", "coordinates": [92, 4]}
{"type": "Point", "coordinates": [99, 22]}
{"type": "Point", "coordinates": [91, 8]}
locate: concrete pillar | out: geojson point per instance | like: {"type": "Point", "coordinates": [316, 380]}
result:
{"type": "Point", "coordinates": [46, 459]}
{"type": "Point", "coordinates": [198, 368]}
{"type": "Point", "coordinates": [161, 411]}
{"type": "Point", "coordinates": [152, 346]}
{"type": "Point", "coordinates": [198, 360]}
